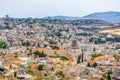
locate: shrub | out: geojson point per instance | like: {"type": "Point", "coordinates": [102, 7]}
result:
{"type": "Point", "coordinates": [30, 71]}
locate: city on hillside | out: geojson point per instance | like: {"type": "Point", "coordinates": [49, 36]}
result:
{"type": "Point", "coordinates": [59, 39]}
{"type": "Point", "coordinates": [45, 49]}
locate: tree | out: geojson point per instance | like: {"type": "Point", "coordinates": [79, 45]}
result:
{"type": "Point", "coordinates": [41, 54]}
{"type": "Point", "coordinates": [88, 65]}
{"type": "Point", "coordinates": [95, 64]}
{"type": "Point", "coordinates": [30, 53]}
{"type": "Point", "coordinates": [40, 67]}
{"type": "Point", "coordinates": [94, 49]}
{"type": "Point", "coordinates": [60, 73]}
{"type": "Point", "coordinates": [2, 44]}
{"type": "Point", "coordinates": [78, 60]}
{"type": "Point", "coordinates": [104, 76]}
{"type": "Point", "coordinates": [63, 58]}
{"type": "Point", "coordinates": [117, 57]}
{"type": "Point", "coordinates": [82, 55]}
{"type": "Point", "coordinates": [55, 47]}
{"type": "Point", "coordinates": [37, 52]}
{"type": "Point", "coordinates": [38, 78]}
{"type": "Point", "coordinates": [108, 76]}
{"type": "Point", "coordinates": [30, 71]}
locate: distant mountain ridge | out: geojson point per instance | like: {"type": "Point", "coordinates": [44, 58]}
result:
{"type": "Point", "coordinates": [62, 17]}
{"type": "Point", "coordinates": [110, 16]}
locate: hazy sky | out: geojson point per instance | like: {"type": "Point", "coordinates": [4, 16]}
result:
{"type": "Point", "coordinates": [42, 8]}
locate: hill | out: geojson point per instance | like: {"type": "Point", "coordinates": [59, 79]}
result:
{"type": "Point", "coordinates": [110, 16]}
{"type": "Point", "coordinates": [62, 17]}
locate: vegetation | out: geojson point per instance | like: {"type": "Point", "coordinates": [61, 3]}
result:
{"type": "Point", "coordinates": [97, 40]}
{"type": "Point", "coordinates": [96, 55]}
{"type": "Point", "coordinates": [41, 54]}
{"type": "Point", "coordinates": [54, 47]}
{"type": "Point", "coordinates": [47, 78]}
{"type": "Point", "coordinates": [45, 45]}
{"type": "Point", "coordinates": [63, 58]}
{"type": "Point", "coordinates": [38, 78]}
{"type": "Point", "coordinates": [64, 78]}
{"type": "Point", "coordinates": [84, 34]}
{"type": "Point", "coordinates": [95, 65]}
{"type": "Point", "coordinates": [108, 76]}
{"type": "Point", "coordinates": [88, 65]}
{"type": "Point", "coordinates": [2, 44]}
{"type": "Point", "coordinates": [104, 76]}
{"type": "Point", "coordinates": [94, 49]}
{"type": "Point", "coordinates": [60, 73]}
{"type": "Point", "coordinates": [30, 53]}
{"type": "Point", "coordinates": [30, 71]}
{"type": "Point", "coordinates": [40, 67]}
{"type": "Point", "coordinates": [117, 57]}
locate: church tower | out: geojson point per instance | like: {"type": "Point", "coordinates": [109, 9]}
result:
{"type": "Point", "coordinates": [76, 53]}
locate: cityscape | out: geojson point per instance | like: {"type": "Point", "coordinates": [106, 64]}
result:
{"type": "Point", "coordinates": [60, 47]}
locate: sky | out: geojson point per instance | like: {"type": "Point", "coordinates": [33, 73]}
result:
{"type": "Point", "coordinates": [42, 8]}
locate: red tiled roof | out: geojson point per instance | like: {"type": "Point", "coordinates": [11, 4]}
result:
{"type": "Point", "coordinates": [7, 65]}
{"type": "Point", "coordinates": [9, 55]}
{"type": "Point", "coordinates": [100, 58]}
{"type": "Point", "coordinates": [103, 67]}
{"type": "Point", "coordinates": [33, 65]}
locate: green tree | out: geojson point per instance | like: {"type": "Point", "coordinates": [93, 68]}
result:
{"type": "Point", "coordinates": [63, 58]}
{"type": "Point", "coordinates": [2, 44]}
{"type": "Point", "coordinates": [40, 67]}
{"type": "Point", "coordinates": [30, 71]}
{"type": "Point", "coordinates": [94, 49]}
{"type": "Point", "coordinates": [95, 64]}
{"type": "Point", "coordinates": [41, 54]}
{"type": "Point", "coordinates": [108, 76]}
{"type": "Point", "coordinates": [38, 78]}
{"type": "Point", "coordinates": [60, 73]}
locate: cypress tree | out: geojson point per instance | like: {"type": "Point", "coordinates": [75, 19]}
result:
{"type": "Point", "coordinates": [78, 59]}
{"type": "Point", "coordinates": [82, 55]}
{"type": "Point", "coordinates": [108, 77]}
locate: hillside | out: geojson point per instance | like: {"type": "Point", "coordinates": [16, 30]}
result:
{"type": "Point", "coordinates": [110, 16]}
{"type": "Point", "coordinates": [115, 30]}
